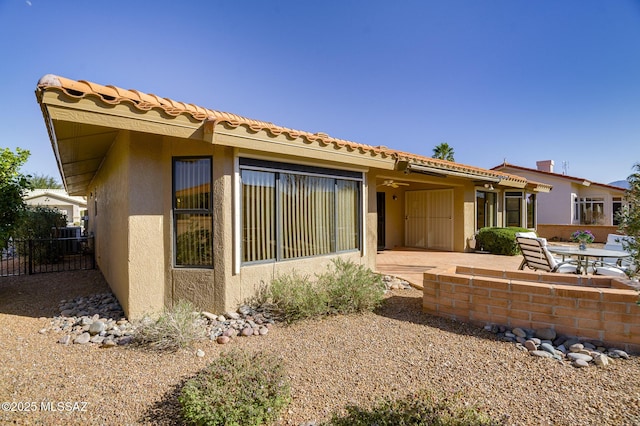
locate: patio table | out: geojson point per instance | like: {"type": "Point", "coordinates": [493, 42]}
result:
{"type": "Point", "coordinates": [584, 255]}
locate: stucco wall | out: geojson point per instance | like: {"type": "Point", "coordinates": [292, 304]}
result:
{"type": "Point", "coordinates": [108, 204]}
{"type": "Point", "coordinates": [146, 189]}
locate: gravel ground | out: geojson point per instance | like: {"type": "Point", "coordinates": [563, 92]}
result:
{"type": "Point", "coordinates": [332, 363]}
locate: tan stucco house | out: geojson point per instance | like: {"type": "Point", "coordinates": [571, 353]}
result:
{"type": "Point", "coordinates": [191, 203]}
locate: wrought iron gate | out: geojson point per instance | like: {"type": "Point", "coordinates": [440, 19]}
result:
{"type": "Point", "coordinates": [27, 257]}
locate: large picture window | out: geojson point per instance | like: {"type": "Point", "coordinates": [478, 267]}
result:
{"type": "Point", "coordinates": [192, 212]}
{"type": "Point", "coordinates": [291, 211]}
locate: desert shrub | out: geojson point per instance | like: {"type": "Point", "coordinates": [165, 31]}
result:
{"type": "Point", "coordinates": [499, 240]}
{"type": "Point", "coordinates": [238, 388]}
{"type": "Point", "coordinates": [296, 297]}
{"type": "Point", "coordinates": [423, 408]}
{"type": "Point", "coordinates": [174, 329]}
{"type": "Point", "coordinates": [344, 288]}
{"type": "Point", "coordinates": [351, 288]}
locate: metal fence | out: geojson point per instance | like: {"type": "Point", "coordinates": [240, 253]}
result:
{"type": "Point", "coordinates": [27, 257]}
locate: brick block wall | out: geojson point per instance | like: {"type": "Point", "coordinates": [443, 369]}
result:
{"type": "Point", "coordinates": [595, 308]}
{"type": "Point", "coordinates": [563, 232]}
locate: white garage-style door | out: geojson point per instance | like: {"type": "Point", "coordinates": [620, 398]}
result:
{"type": "Point", "coordinates": [429, 219]}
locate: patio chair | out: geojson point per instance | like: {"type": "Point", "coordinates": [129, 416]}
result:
{"type": "Point", "coordinates": [537, 257]}
{"type": "Point", "coordinates": [612, 266]}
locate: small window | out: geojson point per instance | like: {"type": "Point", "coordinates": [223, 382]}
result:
{"type": "Point", "coordinates": [513, 208]}
{"type": "Point", "coordinates": [531, 211]}
{"type": "Point", "coordinates": [192, 212]}
{"type": "Point", "coordinates": [486, 209]}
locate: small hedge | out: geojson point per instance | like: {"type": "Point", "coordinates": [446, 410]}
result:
{"type": "Point", "coordinates": [238, 389]}
{"type": "Point", "coordinates": [499, 240]}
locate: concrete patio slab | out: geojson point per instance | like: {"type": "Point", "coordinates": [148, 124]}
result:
{"type": "Point", "coordinates": [409, 264]}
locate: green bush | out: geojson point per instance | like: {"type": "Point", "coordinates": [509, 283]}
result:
{"type": "Point", "coordinates": [420, 409]}
{"type": "Point", "coordinates": [296, 297]}
{"type": "Point", "coordinates": [351, 288]}
{"type": "Point", "coordinates": [174, 329]}
{"type": "Point", "coordinates": [499, 240]}
{"type": "Point", "coordinates": [344, 288]}
{"type": "Point", "coordinates": [237, 389]}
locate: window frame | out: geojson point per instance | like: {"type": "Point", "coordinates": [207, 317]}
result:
{"type": "Point", "coordinates": [531, 213]}
{"type": "Point", "coordinates": [485, 204]}
{"type": "Point", "coordinates": [280, 168]}
{"type": "Point", "coordinates": [582, 205]}
{"type": "Point", "coordinates": [175, 211]}
{"type": "Point", "coordinates": [520, 197]}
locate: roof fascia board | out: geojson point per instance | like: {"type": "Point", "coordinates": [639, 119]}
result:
{"type": "Point", "coordinates": [238, 138]}
{"type": "Point", "coordinates": [121, 117]}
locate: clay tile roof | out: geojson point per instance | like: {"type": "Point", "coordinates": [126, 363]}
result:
{"type": "Point", "coordinates": [146, 102]}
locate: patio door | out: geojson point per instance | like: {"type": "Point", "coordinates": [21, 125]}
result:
{"type": "Point", "coordinates": [429, 219]}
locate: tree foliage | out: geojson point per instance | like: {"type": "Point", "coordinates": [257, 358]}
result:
{"type": "Point", "coordinates": [13, 184]}
{"type": "Point", "coordinates": [44, 182]}
{"type": "Point", "coordinates": [629, 216]}
{"type": "Point", "coordinates": [443, 151]}
{"type": "Point", "coordinates": [39, 222]}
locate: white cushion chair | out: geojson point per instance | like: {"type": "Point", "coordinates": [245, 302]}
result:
{"type": "Point", "coordinates": [537, 257]}
{"type": "Point", "coordinates": [613, 266]}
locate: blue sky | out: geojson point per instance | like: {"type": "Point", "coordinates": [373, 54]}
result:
{"type": "Point", "coordinates": [502, 79]}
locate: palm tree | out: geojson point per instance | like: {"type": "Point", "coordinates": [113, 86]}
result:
{"type": "Point", "coordinates": [443, 152]}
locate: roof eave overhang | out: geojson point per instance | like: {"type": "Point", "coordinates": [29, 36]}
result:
{"type": "Point", "coordinates": [477, 177]}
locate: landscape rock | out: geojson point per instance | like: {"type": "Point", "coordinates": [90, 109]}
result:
{"type": "Point", "coordinates": [578, 355]}
{"type": "Point", "coordinates": [572, 350]}
{"type": "Point", "coordinates": [97, 327]}
{"type": "Point", "coordinates": [519, 332]}
{"type": "Point", "coordinates": [601, 361]}
{"type": "Point", "coordinates": [546, 334]}
{"type": "Point", "coordinates": [548, 348]}
{"type": "Point", "coordinates": [530, 345]}
{"type": "Point", "coordinates": [82, 339]}
{"type": "Point", "coordinates": [541, 354]}
{"type": "Point", "coordinates": [580, 363]}
{"type": "Point", "coordinates": [576, 347]}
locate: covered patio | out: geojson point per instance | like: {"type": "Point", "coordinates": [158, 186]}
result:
{"type": "Point", "coordinates": [409, 264]}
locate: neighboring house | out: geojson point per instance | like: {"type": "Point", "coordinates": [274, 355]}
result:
{"type": "Point", "coordinates": [574, 200]}
{"type": "Point", "coordinates": [71, 206]}
{"type": "Point", "coordinates": [191, 203]}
